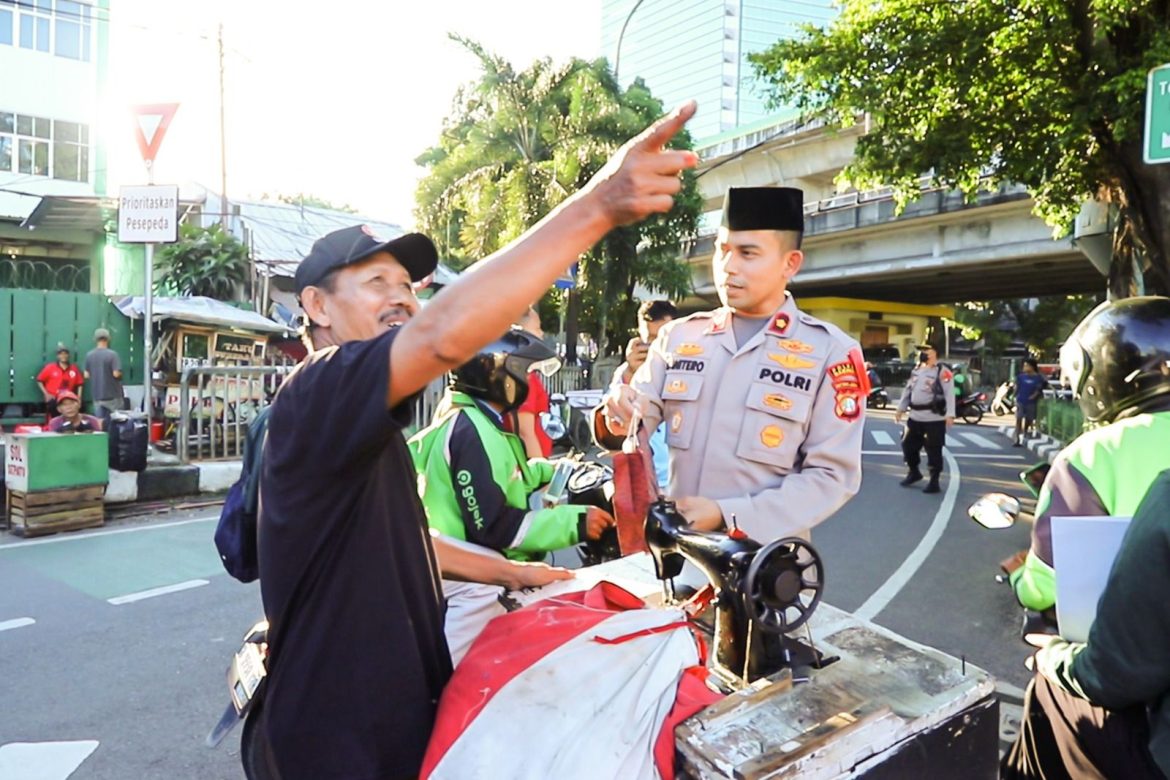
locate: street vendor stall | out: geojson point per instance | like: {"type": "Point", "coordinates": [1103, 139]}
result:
{"type": "Point", "coordinates": [55, 481]}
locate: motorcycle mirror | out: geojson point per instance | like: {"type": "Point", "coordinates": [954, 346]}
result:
{"type": "Point", "coordinates": [1034, 477]}
{"type": "Point", "coordinates": [995, 510]}
{"type": "Point", "coordinates": [553, 426]}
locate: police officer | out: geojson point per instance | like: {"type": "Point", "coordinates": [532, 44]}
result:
{"type": "Point", "coordinates": [763, 404]}
{"type": "Point", "coordinates": [930, 398]}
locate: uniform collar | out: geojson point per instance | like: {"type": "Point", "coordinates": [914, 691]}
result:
{"type": "Point", "coordinates": [780, 325]}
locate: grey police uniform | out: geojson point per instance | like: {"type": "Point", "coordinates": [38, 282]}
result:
{"type": "Point", "coordinates": [927, 426]}
{"type": "Point", "coordinates": [772, 430]}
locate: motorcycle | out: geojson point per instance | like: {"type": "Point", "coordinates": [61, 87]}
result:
{"type": "Point", "coordinates": [970, 407]}
{"type": "Point", "coordinates": [1004, 402]}
{"type": "Point", "coordinates": [997, 511]}
{"type": "Point", "coordinates": [567, 421]}
{"type": "Point", "coordinates": [575, 481]}
{"type": "Point", "coordinates": [878, 398]}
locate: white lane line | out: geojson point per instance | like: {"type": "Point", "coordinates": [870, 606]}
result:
{"type": "Point", "coordinates": [947, 451]}
{"type": "Point", "coordinates": [975, 438]}
{"type": "Point", "coordinates": [890, 588]}
{"type": "Point", "coordinates": [15, 623]}
{"type": "Point", "coordinates": [111, 532]}
{"type": "Point", "coordinates": [44, 760]}
{"type": "Point", "coordinates": [881, 437]}
{"type": "Point", "coordinates": [164, 590]}
{"type": "Point", "coordinates": [953, 440]}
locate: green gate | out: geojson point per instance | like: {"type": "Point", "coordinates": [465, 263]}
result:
{"type": "Point", "coordinates": [33, 322]}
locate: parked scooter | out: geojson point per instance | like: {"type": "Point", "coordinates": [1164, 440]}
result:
{"type": "Point", "coordinates": [878, 398]}
{"type": "Point", "coordinates": [999, 510]}
{"type": "Point", "coordinates": [970, 408]}
{"type": "Point", "coordinates": [1004, 402]}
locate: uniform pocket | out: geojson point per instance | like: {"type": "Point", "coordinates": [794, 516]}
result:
{"type": "Point", "coordinates": [773, 425]}
{"type": "Point", "coordinates": [680, 395]}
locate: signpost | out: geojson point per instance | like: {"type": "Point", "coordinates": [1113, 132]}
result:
{"type": "Point", "coordinates": [149, 215]}
{"type": "Point", "coordinates": [1156, 148]}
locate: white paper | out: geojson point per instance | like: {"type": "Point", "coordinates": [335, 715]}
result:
{"type": "Point", "coordinates": [1083, 549]}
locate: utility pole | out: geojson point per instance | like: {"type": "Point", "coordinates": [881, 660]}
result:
{"type": "Point", "coordinates": [223, 199]}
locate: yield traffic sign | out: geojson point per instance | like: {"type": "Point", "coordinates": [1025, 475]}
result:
{"type": "Point", "coordinates": [1156, 148]}
{"type": "Point", "coordinates": [151, 125]}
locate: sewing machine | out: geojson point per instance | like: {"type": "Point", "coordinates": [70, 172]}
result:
{"type": "Point", "coordinates": [762, 593]}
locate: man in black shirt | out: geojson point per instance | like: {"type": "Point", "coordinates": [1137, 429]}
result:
{"type": "Point", "coordinates": [348, 574]}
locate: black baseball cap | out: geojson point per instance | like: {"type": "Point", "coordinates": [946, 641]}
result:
{"type": "Point", "coordinates": [351, 245]}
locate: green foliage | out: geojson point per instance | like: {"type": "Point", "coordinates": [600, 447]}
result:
{"type": "Point", "coordinates": [517, 144]}
{"type": "Point", "coordinates": [1043, 323]}
{"type": "Point", "coordinates": [204, 261]}
{"type": "Point", "coordinates": [1045, 93]}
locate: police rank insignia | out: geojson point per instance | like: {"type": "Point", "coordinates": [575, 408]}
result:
{"type": "Point", "coordinates": [790, 361]}
{"type": "Point", "coordinates": [777, 401]}
{"type": "Point", "coordinates": [689, 350]}
{"type": "Point", "coordinates": [780, 324]}
{"type": "Point", "coordinates": [792, 345]}
{"type": "Point", "coordinates": [771, 436]}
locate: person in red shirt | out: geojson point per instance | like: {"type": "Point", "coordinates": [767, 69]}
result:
{"type": "Point", "coordinates": [62, 375]}
{"type": "Point", "coordinates": [537, 444]}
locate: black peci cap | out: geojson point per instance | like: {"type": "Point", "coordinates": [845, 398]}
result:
{"type": "Point", "coordinates": [764, 208]}
{"type": "Point", "coordinates": [351, 245]}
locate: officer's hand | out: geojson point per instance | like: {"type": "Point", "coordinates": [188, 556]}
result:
{"type": "Point", "coordinates": [534, 575]}
{"type": "Point", "coordinates": [642, 177]}
{"type": "Point", "coordinates": [619, 409]}
{"type": "Point", "coordinates": [950, 421]}
{"type": "Point", "coordinates": [596, 521]}
{"type": "Point", "coordinates": [636, 352]}
{"type": "Point", "coordinates": [897, 418]}
{"type": "Point", "coordinates": [702, 514]}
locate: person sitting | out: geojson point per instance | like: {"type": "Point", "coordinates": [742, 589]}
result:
{"type": "Point", "coordinates": [70, 419]}
{"type": "Point", "coordinates": [1101, 708]}
{"type": "Point", "coordinates": [477, 483]}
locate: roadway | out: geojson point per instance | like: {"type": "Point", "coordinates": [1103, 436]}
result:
{"type": "Point", "coordinates": [115, 640]}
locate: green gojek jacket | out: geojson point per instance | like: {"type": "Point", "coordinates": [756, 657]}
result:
{"type": "Point", "coordinates": [476, 483]}
{"type": "Point", "coordinates": [1105, 471]}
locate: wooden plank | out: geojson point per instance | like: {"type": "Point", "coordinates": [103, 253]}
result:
{"type": "Point", "coordinates": [67, 521]}
{"type": "Point", "coordinates": [58, 513]}
{"type": "Point", "coordinates": [62, 496]}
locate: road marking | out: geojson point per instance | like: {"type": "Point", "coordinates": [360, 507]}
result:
{"type": "Point", "coordinates": [164, 590]}
{"type": "Point", "coordinates": [15, 623]}
{"type": "Point", "coordinates": [954, 441]}
{"type": "Point", "coordinates": [975, 438]}
{"type": "Point", "coordinates": [947, 451]}
{"type": "Point", "coordinates": [44, 760]}
{"type": "Point", "coordinates": [881, 437]}
{"type": "Point", "coordinates": [891, 587]}
{"type": "Point", "coordinates": [111, 532]}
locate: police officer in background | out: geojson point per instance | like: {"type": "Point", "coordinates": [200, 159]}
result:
{"type": "Point", "coordinates": [930, 398]}
{"type": "Point", "coordinates": [763, 404]}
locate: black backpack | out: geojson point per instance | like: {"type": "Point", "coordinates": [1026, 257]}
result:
{"type": "Point", "coordinates": [235, 534]}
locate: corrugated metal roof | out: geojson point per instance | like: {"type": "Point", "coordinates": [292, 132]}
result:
{"type": "Point", "coordinates": [198, 309]}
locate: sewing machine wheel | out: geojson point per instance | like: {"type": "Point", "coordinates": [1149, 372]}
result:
{"type": "Point", "coordinates": [784, 584]}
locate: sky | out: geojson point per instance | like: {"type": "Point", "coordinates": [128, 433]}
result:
{"type": "Point", "coordinates": [331, 99]}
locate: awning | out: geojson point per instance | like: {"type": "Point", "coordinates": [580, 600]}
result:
{"type": "Point", "coordinates": [82, 213]}
{"type": "Point", "coordinates": [202, 311]}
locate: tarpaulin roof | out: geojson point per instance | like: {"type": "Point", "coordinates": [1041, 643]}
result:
{"type": "Point", "coordinates": [203, 311]}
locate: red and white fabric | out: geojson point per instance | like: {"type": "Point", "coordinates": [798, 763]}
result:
{"type": "Point", "coordinates": [585, 685]}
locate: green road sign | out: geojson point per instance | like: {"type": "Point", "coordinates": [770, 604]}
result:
{"type": "Point", "coordinates": [1157, 145]}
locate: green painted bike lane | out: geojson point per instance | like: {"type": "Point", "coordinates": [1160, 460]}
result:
{"type": "Point", "coordinates": [107, 565]}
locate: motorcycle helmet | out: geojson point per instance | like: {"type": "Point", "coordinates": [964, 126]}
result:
{"type": "Point", "coordinates": [1117, 359]}
{"type": "Point", "coordinates": [499, 373]}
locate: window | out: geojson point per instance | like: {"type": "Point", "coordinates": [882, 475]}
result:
{"type": "Point", "coordinates": [72, 30]}
{"type": "Point", "coordinates": [6, 16]}
{"type": "Point", "coordinates": [35, 19]}
{"type": "Point", "coordinates": [42, 147]}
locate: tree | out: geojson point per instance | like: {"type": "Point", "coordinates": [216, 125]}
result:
{"type": "Point", "coordinates": [204, 261]}
{"type": "Point", "coordinates": [518, 143]}
{"type": "Point", "coordinates": [1041, 323]}
{"type": "Point", "coordinates": [1044, 93]}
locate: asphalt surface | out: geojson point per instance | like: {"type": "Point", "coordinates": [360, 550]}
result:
{"type": "Point", "coordinates": [115, 640]}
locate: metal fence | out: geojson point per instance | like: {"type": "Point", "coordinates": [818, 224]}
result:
{"type": "Point", "coordinates": [44, 275]}
{"type": "Point", "coordinates": [1061, 419]}
{"type": "Point", "coordinates": [216, 405]}
{"type": "Point", "coordinates": [568, 378]}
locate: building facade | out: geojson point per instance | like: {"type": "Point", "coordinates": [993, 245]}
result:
{"type": "Point", "coordinates": [53, 57]}
{"type": "Point", "coordinates": [698, 49]}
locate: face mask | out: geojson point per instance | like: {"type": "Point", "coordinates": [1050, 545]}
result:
{"type": "Point", "coordinates": [922, 357]}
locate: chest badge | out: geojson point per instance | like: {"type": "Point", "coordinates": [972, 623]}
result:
{"type": "Point", "coordinates": [676, 422]}
{"type": "Point", "coordinates": [793, 345]}
{"type": "Point", "coordinates": [790, 361]}
{"type": "Point", "coordinates": [689, 350]}
{"type": "Point", "coordinates": [771, 436]}
{"type": "Point", "coordinates": [777, 401]}
{"type": "Point", "coordinates": [676, 386]}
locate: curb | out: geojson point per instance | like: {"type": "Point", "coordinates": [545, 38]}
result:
{"type": "Point", "coordinates": [1044, 446]}
{"type": "Point", "coordinates": [171, 481]}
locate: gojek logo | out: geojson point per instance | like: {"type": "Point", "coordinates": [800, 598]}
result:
{"type": "Point", "coordinates": [470, 502]}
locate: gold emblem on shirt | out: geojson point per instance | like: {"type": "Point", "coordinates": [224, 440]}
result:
{"type": "Point", "coordinates": [676, 386]}
{"type": "Point", "coordinates": [790, 361]}
{"type": "Point", "coordinates": [777, 401]}
{"type": "Point", "coordinates": [771, 436]}
{"type": "Point", "coordinates": [689, 350]}
{"type": "Point", "coordinates": [792, 345]}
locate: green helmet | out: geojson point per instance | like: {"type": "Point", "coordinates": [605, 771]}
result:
{"type": "Point", "coordinates": [499, 373]}
{"type": "Point", "coordinates": [1117, 359]}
